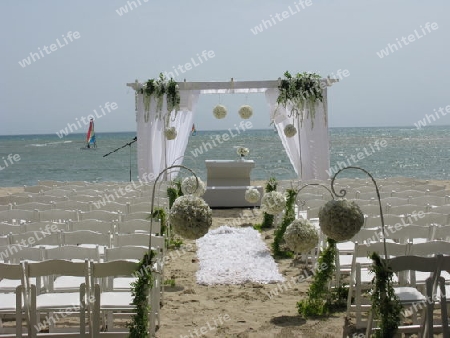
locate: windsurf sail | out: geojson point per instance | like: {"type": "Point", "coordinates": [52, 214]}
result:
{"type": "Point", "coordinates": [90, 136]}
{"type": "Point", "coordinates": [193, 130]}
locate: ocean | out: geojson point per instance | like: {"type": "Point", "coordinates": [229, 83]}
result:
{"type": "Point", "coordinates": [384, 152]}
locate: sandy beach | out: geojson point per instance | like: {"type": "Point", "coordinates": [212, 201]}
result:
{"type": "Point", "coordinates": [242, 311]}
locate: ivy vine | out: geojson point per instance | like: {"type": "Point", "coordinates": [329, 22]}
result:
{"type": "Point", "coordinates": [288, 218]}
{"type": "Point", "coordinates": [320, 301]}
{"type": "Point", "coordinates": [303, 90]}
{"type": "Point", "coordinates": [140, 290]}
{"type": "Point", "coordinates": [385, 304]}
{"type": "Point", "coordinates": [267, 222]}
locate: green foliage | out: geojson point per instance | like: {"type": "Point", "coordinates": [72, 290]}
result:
{"type": "Point", "coordinates": [140, 290]}
{"type": "Point", "coordinates": [160, 214]}
{"type": "Point", "coordinates": [304, 90]}
{"type": "Point", "coordinates": [170, 282]}
{"type": "Point", "coordinates": [158, 88]}
{"type": "Point", "coordinates": [172, 193]}
{"type": "Point", "coordinates": [289, 217]}
{"type": "Point", "coordinates": [267, 222]}
{"type": "Point", "coordinates": [385, 304]}
{"type": "Point", "coordinates": [320, 301]}
{"type": "Point", "coordinates": [175, 243]}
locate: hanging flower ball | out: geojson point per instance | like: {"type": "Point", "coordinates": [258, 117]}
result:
{"type": "Point", "coordinates": [273, 202]}
{"type": "Point", "coordinates": [190, 217]}
{"type": "Point", "coordinates": [340, 219]}
{"type": "Point", "coordinates": [189, 186]}
{"type": "Point", "coordinates": [242, 151]}
{"type": "Point", "coordinates": [170, 133]}
{"type": "Point", "coordinates": [301, 236]}
{"type": "Point", "coordinates": [290, 130]}
{"type": "Point", "coordinates": [245, 112]}
{"type": "Point", "coordinates": [252, 195]}
{"type": "Point", "coordinates": [220, 112]}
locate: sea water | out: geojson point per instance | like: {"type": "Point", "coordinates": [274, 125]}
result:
{"type": "Point", "coordinates": [410, 152]}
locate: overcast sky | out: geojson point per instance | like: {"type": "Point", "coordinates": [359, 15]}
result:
{"type": "Point", "coordinates": [106, 50]}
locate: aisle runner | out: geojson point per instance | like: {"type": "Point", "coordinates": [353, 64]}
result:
{"type": "Point", "coordinates": [234, 256]}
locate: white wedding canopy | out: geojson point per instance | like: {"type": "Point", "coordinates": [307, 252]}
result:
{"type": "Point", "coordinates": [308, 150]}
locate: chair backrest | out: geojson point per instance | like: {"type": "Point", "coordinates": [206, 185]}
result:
{"type": "Point", "coordinates": [407, 193]}
{"type": "Point", "coordinates": [73, 205]}
{"type": "Point", "coordinates": [85, 237]}
{"type": "Point", "coordinates": [37, 238]}
{"type": "Point", "coordinates": [44, 226]}
{"type": "Point", "coordinates": [102, 273]}
{"type": "Point", "coordinates": [33, 206]}
{"type": "Point", "coordinates": [138, 225]}
{"type": "Point", "coordinates": [437, 218]}
{"type": "Point", "coordinates": [409, 232]}
{"type": "Point", "coordinates": [4, 240]}
{"type": "Point", "coordinates": [18, 216]}
{"type": "Point", "coordinates": [6, 229]}
{"type": "Point", "coordinates": [48, 199]}
{"type": "Point", "coordinates": [103, 227]}
{"type": "Point", "coordinates": [18, 253]}
{"type": "Point", "coordinates": [138, 240]}
{"type": "Point", "coordinates": [73, 252]}
{"type": "Point", "coordinates": [441, 233]}
{"type": "Point", "coordinates": [442, 209]}
{"type": "Point", "coordinates": [125, 252]}
{"type": "Point", "coordinates": [59, 192]}
{"type": "Point", "coordinates": [136, 215]}
{"type": "Point", "coordinates": [112, 206]}
{"type": "Point", "coordinates": [430, 248]}
{"type": "Point", "coordinates": [393, 249]}
{"type": "Point", "coordinates": [100, 215]}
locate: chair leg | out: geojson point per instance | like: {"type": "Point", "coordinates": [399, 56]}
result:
{"type": "Point", "coordinates": [445, 329]}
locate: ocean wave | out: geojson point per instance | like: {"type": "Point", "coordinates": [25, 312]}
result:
{"type": "Point", "coordinates": [46, 144]}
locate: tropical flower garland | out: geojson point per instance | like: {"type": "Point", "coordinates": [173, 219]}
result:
{"type": "Point", "coordinates": [189, 186]}
{"type": "Point", "coordinates": [252, 195]}
{"type": "Point", "coordinates": [220, 112]}
{"type": "Point", "coordinates": [245, 112]}
{"type": "Point", "coordinates": [290, 130]}
{"type": "Point", "coordinates": [190, 217]}
{"type": "Point", "coordinates": [170, 133]}
{"type": "Point", "coordinates": [242, 151]}
{"type": "Point", "coordinates": [341, 219]}
{"type": "Point", "coordinates": [301, 236]}
{"type": "Point", "coordinates": [273, 202]}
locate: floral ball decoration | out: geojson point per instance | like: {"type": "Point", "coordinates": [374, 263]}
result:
{"type": "Point", "coordinates": [273, 202]}
{"type": "Point", "coordinates": [340, 219]}
{"type": "Point", "coordinates": [220, 112]}
{"type": "Point", "coordinates": [245, 112]}
{"type": "Point", "coordinates": [301, 236]}
{"type": "Point", "coordinates": [242, 151]}
{"type": "Point", "coordinates": [189, 186]}
{"type": "Point", "coordinates": [252, 195]}
{"type": "Point", "coordinates": [170, 133]}
{"type": "Point", "coordinates": [290, 130]}
{"type": "Point", "coordinates": [190, 217]}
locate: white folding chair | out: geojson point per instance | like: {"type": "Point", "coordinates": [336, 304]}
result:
{"type": "Point", "coordinates": [56, 304]}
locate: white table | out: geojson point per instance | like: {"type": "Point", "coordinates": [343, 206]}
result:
{"type": "Point", "coordinates": [226, 183]}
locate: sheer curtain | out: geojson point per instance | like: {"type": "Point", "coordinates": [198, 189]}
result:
{"type": "Point", "coordinates": [154, 151]}
{"type": "Point", "coordinates": [308, 150]}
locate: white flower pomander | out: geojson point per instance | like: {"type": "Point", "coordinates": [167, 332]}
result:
{"type": "Point", "coordinates": [170, 133]}
{"type": "Point", "coordinates": [245, 112]}
{"type": "Point", "coordinates": [189, 186]}
{"type": "Point", "coordinates": [220, 112]}
{"type": "Point", "coordinates": [290, 130]}
{"type": "Point", "coordinates": [252, 195]}
{"type": "Point", "coordinates": [301, 236]}
{"type": "Point", "coordinates": [190, 217]}
{"type": "Point", "coordinates": [242, 151]}
{"type": "Point", "coordinates": [340, 219]}
{"type": "Point", "coordinates": [273, 202]}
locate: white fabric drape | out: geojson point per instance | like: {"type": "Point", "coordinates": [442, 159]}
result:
{"type": "Point", "coordinates": [154, 151]}
{"type": "Point", "coordinates": [308, 150]}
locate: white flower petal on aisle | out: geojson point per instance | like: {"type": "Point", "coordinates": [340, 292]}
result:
{"type": "Point", "coordinates": [230, 255]}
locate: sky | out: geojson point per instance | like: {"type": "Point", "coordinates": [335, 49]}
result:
{"type": "Point", "coordinates": [92, 49]}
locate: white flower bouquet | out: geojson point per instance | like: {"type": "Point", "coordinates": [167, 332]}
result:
{"type": "Point", "coordinates": [273, 202]}
{"type": "Point", "coordinates": [301, 236]}
{"type": "Point", "coordinates": [190, 217]}
{"type": "Point", "coordinates": [252, 195]}
{"type": "Point", "coordinates": [242, 151]}
{"type": "Point", "coordinates": [170, 133]}
{"type": "Point", "coordinates": [290, 130]}
{"type": "Point", "coordinates": [219, 112]}
{"type": "Point", "coordinates": [340, 219]}
{"type": "Point", "coordinates": [245, 112]}
{"type": "Point", "coordinates": [189, 186]}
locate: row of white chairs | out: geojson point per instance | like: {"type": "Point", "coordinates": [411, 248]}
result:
{"type": "Point", "coordinates": [60, 287]}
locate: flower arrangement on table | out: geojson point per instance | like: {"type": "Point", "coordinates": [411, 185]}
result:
{"type": "Point", "coordinates": [190, 217]}
{"type": "Point", "coordinates": [301, 236]}
{"type": "Point", "coordinates": [245, 112]}
{"type": "Point", "coordinates": [193, 186]}
{"type": "Point", "coordinates": [219, 112]}
{"type": "Point", "coordinates": [273, 202]}
{"type": "Point", "coordinates": [341, 219]}
{"type": "Point", "coordinates": [252, 195]}
{"type": "Point", "coordinates": [170, 133]}
{"type": "Point", "coordinates": [242, 151]}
